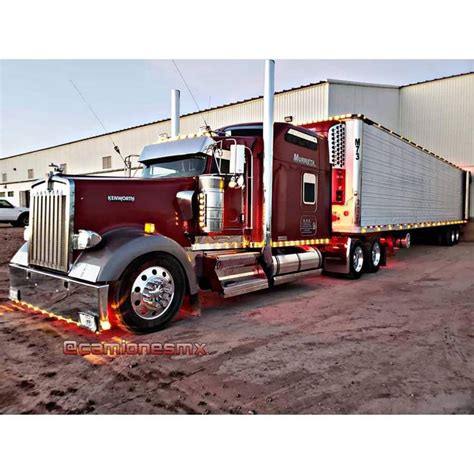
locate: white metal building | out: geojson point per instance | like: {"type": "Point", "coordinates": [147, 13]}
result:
{"type": "Point", "coordinates": [438, 114]}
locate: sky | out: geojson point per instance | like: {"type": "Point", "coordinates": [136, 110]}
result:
{"type": "Point", "coordinates": [39, 106]}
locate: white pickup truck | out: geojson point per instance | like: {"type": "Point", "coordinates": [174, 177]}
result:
{"type": "Point", "coordinates": [17, 216]}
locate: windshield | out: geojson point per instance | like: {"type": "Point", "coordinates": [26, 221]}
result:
{"type": "Point", "coordinates": [176, 167]}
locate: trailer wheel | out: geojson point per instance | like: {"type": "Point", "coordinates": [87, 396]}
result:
{"type": "Point", "coordinates": [149, 294]}
{"type": "Point", "coordinates": [356, 260]}
{"type": "Point", "coordinates": [373, 257]}
{"type": "Point", "coordinates": [448, 237]}
{"type": "Point", "coordinates": [458, 235]}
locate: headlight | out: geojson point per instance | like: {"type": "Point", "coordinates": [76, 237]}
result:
{"type": "Point", "coordinates": [86, 239]}
{"type": "Point", "coordinates": [26, 233]}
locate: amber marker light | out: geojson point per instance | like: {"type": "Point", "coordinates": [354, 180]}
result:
{"type": "Point", "coordinates": [149, 228]}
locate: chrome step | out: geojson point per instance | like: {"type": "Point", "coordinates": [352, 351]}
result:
{"type": "Point", "coordinates": [235, 273]}
{"type": "Point", "coordinates": [244, 286]}
{"type": "Point", "coordinates": [233, 260]}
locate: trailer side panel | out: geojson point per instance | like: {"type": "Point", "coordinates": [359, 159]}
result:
{"type": "Point", "coordinates": [403, 184]}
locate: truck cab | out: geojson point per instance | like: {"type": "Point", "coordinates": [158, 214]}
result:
{"type": "Point", "coordinates": [130, 251]}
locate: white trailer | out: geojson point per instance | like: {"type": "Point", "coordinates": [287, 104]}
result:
{"type": "Point", "coordinates": [391, 182]}
{"type": "Point", "coordinates": [385, 188]}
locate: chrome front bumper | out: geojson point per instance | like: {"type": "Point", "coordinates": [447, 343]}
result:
{"type": "Point", "coordinates": [84, 304]}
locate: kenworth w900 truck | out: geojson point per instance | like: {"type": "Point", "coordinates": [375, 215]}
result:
{"type": "Point", "coordinates": [241, 209]}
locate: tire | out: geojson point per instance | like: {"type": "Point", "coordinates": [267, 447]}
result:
{"type": "Point", "coordinates": [457, 231]}
{"type": "Point", "coordinates": [373, 257]}
{"type": "Point", "coordinates": [140, 311]}
{"type": "Point", "coordinates": [356, 260]}
{"type": "Point", "coordinates": [23, 220]}
{"type": "Point", "coordinates": [448, 237]}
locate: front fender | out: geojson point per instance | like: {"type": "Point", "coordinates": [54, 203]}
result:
{"type": "Point", "coordinates": [120, 247]}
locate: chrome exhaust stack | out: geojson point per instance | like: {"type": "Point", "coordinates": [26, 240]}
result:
{"type": "Point", "coordinates": [175, 96]}
{"type": "Point", "coordinates": [268, 125]}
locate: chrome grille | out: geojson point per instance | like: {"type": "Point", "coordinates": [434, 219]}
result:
{"type": "Point", "coordinates": [50, 222]}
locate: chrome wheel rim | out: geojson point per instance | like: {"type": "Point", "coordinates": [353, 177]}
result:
{"type": "Point", "coordinates": [453, 236]}
{"type": "Point", "coordinates": [152, 292]}
{"type": "Point", "coordinates": [457, 235]}
{"type": "Point", "coordinates": [376, 253]}
{"type": "Point", "coordinates": [358, 259]}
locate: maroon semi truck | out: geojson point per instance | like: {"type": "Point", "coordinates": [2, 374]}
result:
{"type": "Point", "coordinates": [241, 209]}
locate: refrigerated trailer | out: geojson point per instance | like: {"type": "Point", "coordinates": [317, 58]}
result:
{"type": "Point", "coordinates": [383, 181]}
{"type": "Point", "coordinates": [386, 187]}
{"type": "Point", "coordinates": [237, 210]}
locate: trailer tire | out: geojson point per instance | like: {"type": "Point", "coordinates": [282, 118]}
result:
{"type": "Point", "coordinates": [149, 294]}
{"type": "Point", "coordinates": [373, 257]}
{"type": "Point", "coordinates": [356, 260]}
{"type": "Point", "coordinates": [448, 237]}
{"type": "Point", "coordinates": [457, 231]}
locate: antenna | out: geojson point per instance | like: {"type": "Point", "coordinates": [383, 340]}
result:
{"type": "Point", "coordinates": [116, 148]}
{"type": "Point", "coordinates": [190, 92]}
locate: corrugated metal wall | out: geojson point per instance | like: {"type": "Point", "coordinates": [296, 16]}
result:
{"type": "Point", "coordinates": [440, 116]}
{"type": "Point", "coordinates": [303, 104]}
{"type": "Point", "coordinates": [379, 103]}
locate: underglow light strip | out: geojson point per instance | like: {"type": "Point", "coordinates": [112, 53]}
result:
{"type": "Point", "coordinates": [292, 243]}
{"type": "Point", "coordinates": [247, 244]}
{"type": "Point", "coordinates": [105, 325]}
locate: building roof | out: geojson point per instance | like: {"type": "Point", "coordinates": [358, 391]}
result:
{"type": "Point", "coordinates": [230, 104]}
{"type": "Point", "coordinates": [438, 79]}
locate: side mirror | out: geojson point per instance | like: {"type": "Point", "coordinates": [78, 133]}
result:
{"type": "Point", "coordinates": [237, 159]}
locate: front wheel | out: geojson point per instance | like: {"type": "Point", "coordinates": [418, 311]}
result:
{"type": "Point", "coordinates": [356, 260]}
{"type": "Point", "coordinates": [149, 294]}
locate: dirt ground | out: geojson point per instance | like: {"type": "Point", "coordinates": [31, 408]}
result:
{"type": "Point", "coordinates": [400, 341]}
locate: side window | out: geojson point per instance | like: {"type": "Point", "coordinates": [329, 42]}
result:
{"type": "Point", "coordinates": [309, 188]}
{"type": "Point", "coordinates": [4, 204]}
{"type": "Point", "coordinates": [297, 137]}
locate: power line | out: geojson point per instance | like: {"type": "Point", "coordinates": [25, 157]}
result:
{"type": "Point", "coordinates": [190, 92]}
{"type": "Point", "coordinates": [116, 148]}
{"type": "Point", "coordinates": [88, 105]}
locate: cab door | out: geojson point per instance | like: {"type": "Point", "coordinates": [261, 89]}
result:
{"type": "Point", "coordinates": [234, 218]}
{"type": "Point", "coordinates": [298, 180]}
